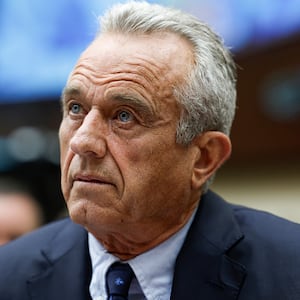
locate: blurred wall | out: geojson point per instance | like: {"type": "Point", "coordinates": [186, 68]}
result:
{"type": "Point", "coordinates": [264, 170]}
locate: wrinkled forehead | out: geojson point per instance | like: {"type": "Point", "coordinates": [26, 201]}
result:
{"type": "Point", "coordinates": [165, 53]}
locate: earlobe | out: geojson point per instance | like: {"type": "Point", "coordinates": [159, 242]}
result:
{"type": "Point", "coordinates": [214, 148]}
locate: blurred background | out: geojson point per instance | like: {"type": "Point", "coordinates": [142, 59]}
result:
{"type": "Point", "coordinates": [40, 42]}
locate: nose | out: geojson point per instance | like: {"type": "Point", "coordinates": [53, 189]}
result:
{"type": "Point", "coordinates": [90, 137]}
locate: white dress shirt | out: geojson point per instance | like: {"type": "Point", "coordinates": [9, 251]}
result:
{"type": "Point", "coordinates": [153, 269]}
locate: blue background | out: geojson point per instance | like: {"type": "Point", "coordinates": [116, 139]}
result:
{"type": "Point", "coordinates": [41, 40]}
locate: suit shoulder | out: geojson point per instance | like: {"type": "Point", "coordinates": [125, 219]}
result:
{"type": "Point", "coordinates": [268, 233]}
{"type": "Point", "coordinates": [36, 254]}
{"type": "Point", "coordinates": [29, 246]}
{"type": "Point", "coordinates": [40, 235]}
{"type": "Point", "coordinates": [262, 221]}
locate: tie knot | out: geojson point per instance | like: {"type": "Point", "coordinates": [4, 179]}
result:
{"type": "Point", "coordinates": [118, 279]}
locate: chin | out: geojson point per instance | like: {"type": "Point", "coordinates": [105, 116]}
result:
{"type": "Point", "coordinates": [78, 212]}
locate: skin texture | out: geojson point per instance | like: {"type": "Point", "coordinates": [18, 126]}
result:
{"type": "Point", "coordinates": [124, 177]}
{"type": "Point", "coordinates": [19, 214]}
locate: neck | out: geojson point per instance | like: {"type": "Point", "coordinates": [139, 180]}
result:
{"type": "Point", "coordinates": [128, 242]}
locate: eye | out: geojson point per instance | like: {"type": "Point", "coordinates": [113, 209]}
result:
{"type": "Point", "coordinates": [75, 108]}
{"type": "Point", "coordinates": [124, 116]}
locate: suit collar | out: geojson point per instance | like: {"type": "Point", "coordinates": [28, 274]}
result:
{"type": "Point", "coordinates": [65, 267]}
{"type": "Point", "coordinates": [203, 267]}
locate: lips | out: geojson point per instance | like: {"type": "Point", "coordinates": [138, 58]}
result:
{"type": "Point", "coordinates": [88, 178]}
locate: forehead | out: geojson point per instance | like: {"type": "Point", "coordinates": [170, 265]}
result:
{"type": "Point", "coordinates": [144, 67]}
{"type": "Point", "coordinates": [158, 56]}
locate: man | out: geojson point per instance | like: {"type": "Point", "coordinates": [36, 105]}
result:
{"type": "Point", "coordinates": [147, 112]}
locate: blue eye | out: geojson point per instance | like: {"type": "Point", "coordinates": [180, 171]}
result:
{"type": "Point", "coordinates": [124, 116]}
{"type": "Point", "coordinates": [75, 108]}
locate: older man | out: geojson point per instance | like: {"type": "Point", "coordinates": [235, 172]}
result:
{"type": "Point", "coordinates": [147, 112]}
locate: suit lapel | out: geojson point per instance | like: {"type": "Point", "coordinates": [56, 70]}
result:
{"type": "Point", "coordinates": [203, 267]}
{"type": "Point", "coordinates": [65, 267]}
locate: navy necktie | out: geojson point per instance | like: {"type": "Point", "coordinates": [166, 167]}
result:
{"type": "Point", "coordinates": [118, 279]}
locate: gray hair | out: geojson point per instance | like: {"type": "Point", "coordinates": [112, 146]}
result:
{"type": "Point", "coordinates": [208, 94]}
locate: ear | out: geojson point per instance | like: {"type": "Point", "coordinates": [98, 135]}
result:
{"type": "Point", "coordinates": [214, 148]}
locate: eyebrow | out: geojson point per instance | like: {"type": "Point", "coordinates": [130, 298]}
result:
{"type": "Point", "coordinates": [70, 91]}
{"type": "Point", "coordinates": [133, 101]}
{"type": "Point", "coordinates": [122, 98]}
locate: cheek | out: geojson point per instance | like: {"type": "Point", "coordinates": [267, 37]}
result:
{"type": "Point", "coordinates": [146, 164]}
{"type": "Point", "coordinates": [65, 134]}
{"type": "Point", "coordinates": [65, 156]}
{"type": "Point", "coordinates": [63, 144]}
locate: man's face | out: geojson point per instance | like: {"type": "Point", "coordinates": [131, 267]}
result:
{"type": "Point", "coordinates": [122, 170]}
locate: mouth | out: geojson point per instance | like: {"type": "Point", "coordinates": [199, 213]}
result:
{"type": "Point", "coordinates": [90, 179]}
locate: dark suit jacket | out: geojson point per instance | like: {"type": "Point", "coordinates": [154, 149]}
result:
{"type": "Point", "coordinates": [231, 252]}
